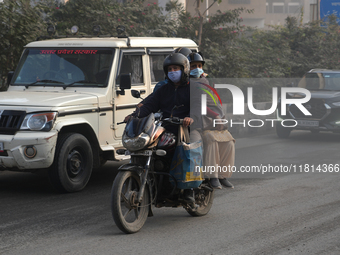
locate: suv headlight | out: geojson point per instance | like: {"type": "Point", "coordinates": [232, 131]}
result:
{"type": "Point", "coordinates": [136, 143]}
{"type": "Point", "coordinates": [39, 121]}
{"type": "Point", "coordinates": [336, 103]}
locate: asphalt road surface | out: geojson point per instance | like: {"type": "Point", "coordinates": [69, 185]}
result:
{"type": "Point", "coordinates": [270, 213]}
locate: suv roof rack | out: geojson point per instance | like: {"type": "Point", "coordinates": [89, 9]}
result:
{"type": "Point", "coordinates": [44, 37]}
{"type": "Point", "coordinates": [323, 70]}
{"type": "Point", "coordinates": [96, 29]}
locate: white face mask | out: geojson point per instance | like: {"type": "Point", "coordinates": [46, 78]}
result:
{"type": "Point", "coordinates": [175, 76]}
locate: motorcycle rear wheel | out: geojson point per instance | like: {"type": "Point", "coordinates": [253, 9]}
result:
{"type": "Point", "coordinates": [204, 199]}
{"type": "Point", "coordinates": [128, 215]}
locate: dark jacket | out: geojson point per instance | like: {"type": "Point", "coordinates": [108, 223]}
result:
{"type": "Point", "coordinates": [169, 100]}
{"type": "Point", "coordinates": [158, 85]}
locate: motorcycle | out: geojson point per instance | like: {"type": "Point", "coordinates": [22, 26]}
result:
{"type": "Point", "coordinates": [145, 181]}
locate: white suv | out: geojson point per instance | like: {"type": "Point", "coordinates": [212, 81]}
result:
{"type": "Point", "coordinates": [65, 98]}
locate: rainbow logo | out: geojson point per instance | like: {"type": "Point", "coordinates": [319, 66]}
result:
{"type": "Point", "coordinates": [211, 95]}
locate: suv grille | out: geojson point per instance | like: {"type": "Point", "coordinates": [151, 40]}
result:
{"type": "Point", "coordinates": [315, 106]}
{"type": "Point", "coordinates": [10, 121]}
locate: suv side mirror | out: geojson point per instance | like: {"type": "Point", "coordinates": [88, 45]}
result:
{"type": "Point", "coordinates": [124, 83]}
{"type": "Point", "coordinates": [9, 77]}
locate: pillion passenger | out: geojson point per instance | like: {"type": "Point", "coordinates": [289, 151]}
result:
{"type": "Point", "coordinates": [218, 143]}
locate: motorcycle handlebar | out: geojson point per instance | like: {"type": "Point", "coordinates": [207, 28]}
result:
{"type": "Point", "coordinates": [174, 120]}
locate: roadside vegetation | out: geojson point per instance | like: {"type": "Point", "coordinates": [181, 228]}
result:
{"type": "Point", "coordinates": [231, 50]}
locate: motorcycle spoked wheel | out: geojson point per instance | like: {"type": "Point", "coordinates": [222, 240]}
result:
{"type": "Point", "coordinates": [204, 200]}
{"type": "Point", "coordinates": [128, 215]}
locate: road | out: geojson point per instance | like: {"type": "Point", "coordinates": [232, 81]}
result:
{"type": "Point", "coordinates": [272, 213]}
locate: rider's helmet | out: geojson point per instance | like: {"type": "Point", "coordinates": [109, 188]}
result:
{"type": "Point", "coordinates": [183, 50]}
{"type": "Point", "coordinates": [180, 60]}
{"type": "Point", "coordinates": [196, 57]}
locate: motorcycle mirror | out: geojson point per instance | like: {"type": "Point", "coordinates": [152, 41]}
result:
{"type": "Point", "coordinates": [135, 93]}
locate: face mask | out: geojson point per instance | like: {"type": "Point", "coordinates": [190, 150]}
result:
{"type": "Point", "coordinates": [175, 76]}
{"type": "Point", "coordinates": [196, 72]}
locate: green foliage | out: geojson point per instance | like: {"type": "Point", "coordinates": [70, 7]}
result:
{"type": "Point", "coordinates": [219, 42]}
{"type": "Point", "coordinates": [281, 52]}
{"type": "Point", "coordinates": [231, 50]}
{"type": "Point", "coordinates": [139, 19]}
{"type": "Point", "coordinates": [20, 23]}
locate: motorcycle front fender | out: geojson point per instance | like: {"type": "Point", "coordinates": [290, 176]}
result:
{"type": "Point", "coordinates": [139, 170]}
{"type": "Point", "coordinates": [132, 167]}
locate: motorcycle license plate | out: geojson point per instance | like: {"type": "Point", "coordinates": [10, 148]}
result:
{"type": "Point", "coordinates": [1, 147]}
{"type": "Point", "coordinates": [308, 123]}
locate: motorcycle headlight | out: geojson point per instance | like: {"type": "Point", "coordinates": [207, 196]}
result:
{"type": "Point", "coordinates": [136, 143]}
{"type": "Point", "coordinates": [39, 121]}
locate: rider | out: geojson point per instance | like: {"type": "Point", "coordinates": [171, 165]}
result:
{"type": "Point", "coordinates": [219, 145]}
{"type": "Point", "coordinates": [173, 98]}
{"type": "Point", "coordinates": [182, 50]}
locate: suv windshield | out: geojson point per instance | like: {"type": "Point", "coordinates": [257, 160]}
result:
{"type": "Point", "coordinates": [321, 81]}
{"type": "Point", "coordinates": [64, 67]}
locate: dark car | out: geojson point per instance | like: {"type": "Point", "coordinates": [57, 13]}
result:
{"type": "Point", "coordinates": [324, 104]}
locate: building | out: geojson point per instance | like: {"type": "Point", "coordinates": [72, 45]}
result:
{"type": "Point", "coordinates": [265, 12]}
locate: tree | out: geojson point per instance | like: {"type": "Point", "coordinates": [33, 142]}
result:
{"type": "Point", "coordinates": [201, 17]}
{"type": "Point", "coordinates": [20, 23]}
{"type": "Point", "coordinates": [198, 27]}
{"type": "Point", "coordinates": [230, 49]}
{"type": "Point", "coordinates": [138, 19]}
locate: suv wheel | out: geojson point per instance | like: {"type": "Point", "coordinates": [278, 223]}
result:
{"type": "Point", "coordinates": [73, 163]}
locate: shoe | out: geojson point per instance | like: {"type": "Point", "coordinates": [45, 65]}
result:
{"type": "Point", "coordinates": [226, 183]}
{"type": "Point", "coordinates": [215, 183]}
{"type": "Point", "coordinates": [189, 196]}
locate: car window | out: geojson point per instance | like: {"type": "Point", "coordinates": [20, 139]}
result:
{"type": "Point", "coordinates": [62, 66]}
{"type": "Point", "coordinates": [156, 67]}
{"type": "Point", "coordinates": [312, 81]}
{"type": "Point", "coordinates": [132, 64]}
{"type": "Point", "coordinates": [332, 81]}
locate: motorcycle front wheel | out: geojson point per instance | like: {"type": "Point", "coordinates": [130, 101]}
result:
{"type": "Point", "coordinates": [128, 214]}
{"type": "Point", "coordinates": [203, 199]}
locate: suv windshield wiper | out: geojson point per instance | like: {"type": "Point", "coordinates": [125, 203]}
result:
{"type": "Point", "coordinates": [81, 81]}
{"type": "Point", "coordinates": [35, 83]}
